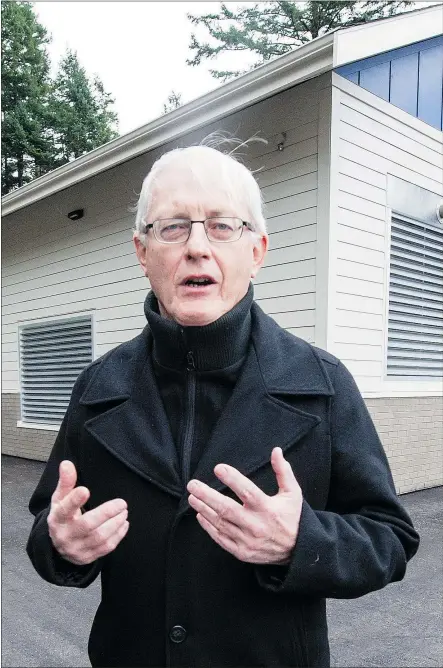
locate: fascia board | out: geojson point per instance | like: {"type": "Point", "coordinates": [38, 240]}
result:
{"type": "Point", "coordinates": [368, 39]}
{"type": "Point", "coordinates": [304, 63]}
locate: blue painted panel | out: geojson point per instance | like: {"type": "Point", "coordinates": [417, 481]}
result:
{"type": "Point", "coordinates": [376, 80]}
{"type": "Point", "coordinates": [353, 77]}
{"type": "Point", "coordinates": [404, 83]}
{"type": "Point", "coordinates": [409, 77]}
{"type": "Point", "coordinates": [430, 84]}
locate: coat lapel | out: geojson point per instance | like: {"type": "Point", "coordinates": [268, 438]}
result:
{"type": "Point", "coordinates": [132, 423]}
{"type": "Point", "coordinates": [257, 418]}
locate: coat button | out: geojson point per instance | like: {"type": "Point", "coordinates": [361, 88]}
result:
{"type": "Point", "coordinates": [177, 634]}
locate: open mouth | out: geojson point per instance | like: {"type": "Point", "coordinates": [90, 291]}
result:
{"type": "Point", "coordinates": [197, 282]}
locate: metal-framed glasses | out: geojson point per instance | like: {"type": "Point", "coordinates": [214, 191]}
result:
{"type": "Point", "coordinates": [178, 230]}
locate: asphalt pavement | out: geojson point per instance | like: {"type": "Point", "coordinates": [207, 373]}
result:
{"type": "Point", "coordinates": [44, 625]}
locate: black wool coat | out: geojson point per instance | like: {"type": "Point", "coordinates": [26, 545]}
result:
{"type": "Point", "coordinates": [170, 595]}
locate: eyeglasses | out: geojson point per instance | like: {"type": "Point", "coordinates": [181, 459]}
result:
{"type": "Point", "coordinates": [178, 230]}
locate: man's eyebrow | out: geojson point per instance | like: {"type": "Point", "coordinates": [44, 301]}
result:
{"type": "Point", "coordinates": [170, 216]}
{"type": "Point", "coordinates": [216, 213]}
{"type": "Point", "coordinates": [213, 213]}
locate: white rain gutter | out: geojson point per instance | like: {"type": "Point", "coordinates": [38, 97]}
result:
{"type": "Point", "coordinates": [304, 63]}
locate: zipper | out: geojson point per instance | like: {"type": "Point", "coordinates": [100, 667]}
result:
{"type": "Point", "coordinates": [188, 436]}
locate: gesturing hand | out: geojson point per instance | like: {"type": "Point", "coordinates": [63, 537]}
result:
{"type": "Point", "coordinates": [261, 531]}
{"type": "Point", "coordinates": [83, 537]}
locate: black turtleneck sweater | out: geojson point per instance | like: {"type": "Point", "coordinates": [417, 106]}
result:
{"type": "Point", "coordinates": [196, 370]}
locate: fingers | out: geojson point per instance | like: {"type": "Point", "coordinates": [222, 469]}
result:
{"type": "Point", "coordinates": [100, 516]}
{"type": "Point", "coordinates": [70, 504]}
{"type": "Point", "coordinates": [107, 535]}
{"type": "Point", "coordinates": [98, 544]}
{"type": "Point", "coordinates": [283, 472]}
{"type": "Point", "coordinates": [94, 534]}
{"type": "Point", "coordinates": [250, 494]}
{"type": "Point", "coordinates": [66, 481]}
{"type": "Point", "coordinates": [223, 506]}
{"type": "Point", "coordinates": [229, 517]}
{"type": "Point", "coordinates": [111, 543]}
{"type": "Point", "coordinates": [224, 541]}
{"type": "Point", "coordinates": [235, 532]}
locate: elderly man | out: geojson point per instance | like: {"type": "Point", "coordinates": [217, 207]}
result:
{"type": "Point", "coordinates": [223, 476]}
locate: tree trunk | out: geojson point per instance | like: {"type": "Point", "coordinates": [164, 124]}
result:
{"type": "Point", "coordinates": [5, 186]}
{"type": "Point", "coordinates": [20, 170]}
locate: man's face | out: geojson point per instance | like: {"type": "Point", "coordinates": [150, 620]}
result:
{"type": "Point", "coordinates": [169, 267]}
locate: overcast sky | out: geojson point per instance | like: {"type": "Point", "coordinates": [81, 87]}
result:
{"type": "Point", "coordinates": [138, 49]}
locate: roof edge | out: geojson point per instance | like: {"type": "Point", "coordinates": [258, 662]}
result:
{"type": "Point", "coordinates": [304, 63]}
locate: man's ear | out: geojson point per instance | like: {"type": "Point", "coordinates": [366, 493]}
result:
{"type": "Point", "coordinates": [259, 254]}
{"type": "Point", "coordinates": [141, 252]}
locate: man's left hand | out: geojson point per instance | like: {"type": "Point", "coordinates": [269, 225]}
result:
{"type": "Point", "coordinates": [262, 529]}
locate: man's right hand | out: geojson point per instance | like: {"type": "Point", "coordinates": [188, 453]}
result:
{"type": "Point", "coordinates": [83, 537]}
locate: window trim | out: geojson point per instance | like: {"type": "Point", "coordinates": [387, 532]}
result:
{"type": "Point", "coordinates": [64, 317]}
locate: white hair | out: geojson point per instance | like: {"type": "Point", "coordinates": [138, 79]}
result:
{"type": "Point", "coordinates": [236, 179]}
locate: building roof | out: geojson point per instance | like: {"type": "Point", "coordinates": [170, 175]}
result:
{"type": "Point", "coordinates": [306, 62]}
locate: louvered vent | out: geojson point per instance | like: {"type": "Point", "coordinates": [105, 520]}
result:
{"type": "Point", "coordinates": [52, 355]}
{"type": "Point", "coordinates": [415, 329]}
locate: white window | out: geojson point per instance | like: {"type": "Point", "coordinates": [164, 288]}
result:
{"type": "Point", "coordinates": [52, 354]}
{"type": "Point", "coordinates": [415, 325]}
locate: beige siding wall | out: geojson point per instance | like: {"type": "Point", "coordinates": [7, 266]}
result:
{"type": "Point", "coordinates": [411, 430]}
{"type": "Point", "coordinates": [23, 442]}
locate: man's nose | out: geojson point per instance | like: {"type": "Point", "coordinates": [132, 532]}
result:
{"type": "Point", "coordinates": [198, 243]}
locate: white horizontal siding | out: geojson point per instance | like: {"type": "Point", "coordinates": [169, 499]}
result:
{"type": "Point", "coordinates": [360, 287]}
{"type": "Point", "coordinates": [378, 163]}
{"type": "Point", "coordinates": [364, 173]}
{"type": "Point", "coordinates": [359, 271]}
{"type": "Point", "coordinates": [357, 336]}
{"type": "Point", "coordinates": [286, 287]}
{"type": "Point", "coordinates": [287, 270]}
{"type": "Point", "coordinates": [397, 138]}
{"type": "Point", "coordinates": [396, 156]}
{"type": "Point", "coordinates": [63, 251]}
{"type": "Point", "coordinates": [361, 221]}
{"type": "Point", "coordinates": [374, 140]}
{"type": "Point", "coordinates": [54, 267]}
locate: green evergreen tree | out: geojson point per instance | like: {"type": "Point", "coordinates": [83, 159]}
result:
{"type": "Point", "coordinates": [270, 29]}
{"type": "Point", "coordinates": [45, 123]}
{"type": "Point", "coordinates": [26, 142]}
{"type": "Point", "coordinates": [174, 101]}
{"type": "Point", "coordinates": [81, 108]}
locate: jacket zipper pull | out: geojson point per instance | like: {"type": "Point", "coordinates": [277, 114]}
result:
{"type": "Point", "coordinates": [190, 361]}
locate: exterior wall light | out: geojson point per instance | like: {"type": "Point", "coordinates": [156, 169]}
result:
{"type": "Point", "coordinates": [76, 214]}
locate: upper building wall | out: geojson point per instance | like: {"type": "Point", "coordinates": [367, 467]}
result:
{"type": "Point", "coordinates": [53, 267]}
{"type": "Point", "coordinates": [382, 161]}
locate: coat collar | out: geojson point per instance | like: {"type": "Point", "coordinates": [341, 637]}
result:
{"type": "Point", "coordinates": [287, 364]}
{"type": "Point", "coordinates": [255, 420]}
